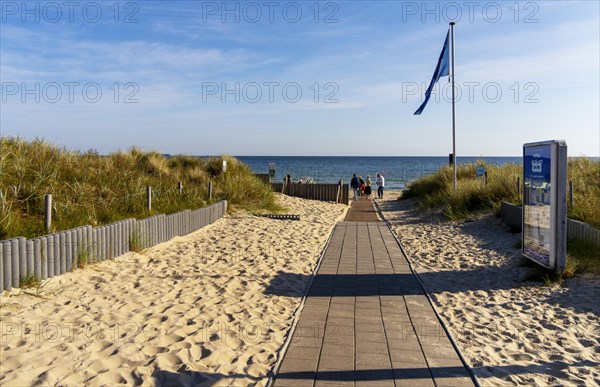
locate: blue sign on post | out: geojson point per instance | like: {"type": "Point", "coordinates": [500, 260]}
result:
{"type": "Point", "coordinates": [545, 203]}
{"type": "Point", "coordinates": [480, 171]}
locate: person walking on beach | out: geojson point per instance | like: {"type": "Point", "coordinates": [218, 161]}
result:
{"type": "Point", "coordinates": [368, 187]}
{"type": "Point", "coordinates": [380, 184]}
{"type": "Point", "coordinates": [287, 179]}
{"type": "Point", "coordinates": [354, 185]}
{"type": "Point", "coordinates": [361, 186]}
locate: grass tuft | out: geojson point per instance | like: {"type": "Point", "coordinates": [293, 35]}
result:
{"type": "Point", "coordinates": [135, 242]}
{"type": "Point", "coordinates": [82, 258]}
{"type": "Point", "coordinates": [29, 282]}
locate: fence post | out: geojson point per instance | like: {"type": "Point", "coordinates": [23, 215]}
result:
{"type": "Point", "coordinates": [51, 253]}
{"type": "Point", "coordinates": [48, 213]}
{"type": "Point", "coordinates": [15, 262]}
{"type": "Point", "coordinates": [87, 232]}
{"type": "Point", "coordinates": [210, 187]}
{"type": "Point", "coordinates": [94, 244]}
{"type": "Point", "coordinates": [112, 238]}
{"type": "Point", "coordinates": [30, 259]}
{"type": "Point", "coordinates": [37, 258]}
{"type": "Point", "coordinates": [126, 234]}
{"type": "Point", "coordinates": [22, 257]}
{"type": "Point", "coordinates": [7, 263]}
{"type": "Point", "coordinates": [119, 238]}
{"type": "Point", "coordinates": [77, 243]}
{"type": "Point", "coordinates": [1, 268]}
{"type": "Point", "coordinates": [149, 198]}
{"type": "Point", "coordinates": [571, 194]}
{"type": "Point", "coordinates": [180, 187]}
{"type": "Point", "coordinates": [44, 255]}
{"type": "Point", "coordinates": [519, 186]}
{"type": "Point", "coordinates": [68, 258]}
{"type": "Point", "coordinates": [103, 243]}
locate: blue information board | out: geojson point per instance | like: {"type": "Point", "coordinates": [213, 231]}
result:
{"type": "Point", "coordinates": [544, 203]}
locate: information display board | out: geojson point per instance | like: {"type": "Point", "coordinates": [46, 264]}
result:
{"type": "Point", "coordinates": [545, 203]}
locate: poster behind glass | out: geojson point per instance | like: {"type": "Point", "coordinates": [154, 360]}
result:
{"type": "Point", "coordinates": [536, 203]}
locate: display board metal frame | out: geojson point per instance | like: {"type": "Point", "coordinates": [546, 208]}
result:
{"type": "Point", "coordinates": [544, 220]}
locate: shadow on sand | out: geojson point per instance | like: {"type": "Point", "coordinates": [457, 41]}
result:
{"type": "Point", "coordinates": [553, 369]}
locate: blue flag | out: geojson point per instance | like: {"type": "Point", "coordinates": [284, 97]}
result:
{"type": "Point", "coordinates": [441, 70]}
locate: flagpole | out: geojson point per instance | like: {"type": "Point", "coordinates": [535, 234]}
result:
{"type": "Point", "coordinates": [453, 108]}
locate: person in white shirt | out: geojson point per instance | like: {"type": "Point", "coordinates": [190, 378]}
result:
{"type": "Point", "coordinates": [380, 184]}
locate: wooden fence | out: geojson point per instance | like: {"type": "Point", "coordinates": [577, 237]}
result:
{"type": "Point", "coordinates": [263, 176]}
{"type": "Point", "coordinates": [576, 230]}
{"type": "Point", "coordinates": [52, 255]}
{"type": "Point", "coordinates": [338, 193]}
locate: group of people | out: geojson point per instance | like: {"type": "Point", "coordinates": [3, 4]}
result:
{"type": "Point", "coordinates": [287, 179]}
{"type": "Point", "coordinates": [362, 187]}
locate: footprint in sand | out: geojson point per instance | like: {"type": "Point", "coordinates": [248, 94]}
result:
{"type": "Point", "coordinates": [521, 357]}
{"type": "Point", "coordinates": [108, 378]}
{"type": "Point", "coordinates": [152, 350]}
{"type": "Point", "coordinates": [170, 339]}
{"type": "Point", "coordinates": [168, 361]}
{"type": "Point", "coordinates": [199, 352]}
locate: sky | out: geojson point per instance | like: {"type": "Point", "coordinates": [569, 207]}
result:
{"type": "Point", "coordinates": [331, 78]}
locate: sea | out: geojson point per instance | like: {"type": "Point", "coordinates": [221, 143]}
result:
{"type": "Point", "coordinates": [398, 171]}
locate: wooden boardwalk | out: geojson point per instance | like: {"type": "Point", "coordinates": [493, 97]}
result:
{"type": "Point", "coordinates": [361, 210]}
{"type": "Point", "coordinates": [367, 322]}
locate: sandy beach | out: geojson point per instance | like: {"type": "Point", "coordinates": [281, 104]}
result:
{"type": "Point", "coordinates": [512, 331]}
{"type": "Point", "coordinates": [196, 310]}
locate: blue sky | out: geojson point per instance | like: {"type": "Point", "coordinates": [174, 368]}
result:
{"type": "Point", "coordinates": [300, 78]}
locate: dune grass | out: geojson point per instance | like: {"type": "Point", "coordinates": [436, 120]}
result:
{"type": "Point", "coordinates": [88, 188]}
{"type": "Point", "coordinates": [585, 174]}
{"type": "Point", "coordinates": [475, 196]}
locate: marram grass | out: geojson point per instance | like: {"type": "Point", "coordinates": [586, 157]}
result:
{"type": "Point", "coordinates": [88, 188]}
{"type": "Point", "coordinates": [475, 196]}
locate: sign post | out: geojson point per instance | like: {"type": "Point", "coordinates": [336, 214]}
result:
{"type": "Point", "coordinates": [271, 171]}
{"type": "Point", "coordinates": [544, 221]}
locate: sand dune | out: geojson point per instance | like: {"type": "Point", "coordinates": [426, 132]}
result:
{"type": "Point", "coordinates": [192, 311]}
{"type": "Point", "coordinates": [512, 331]}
